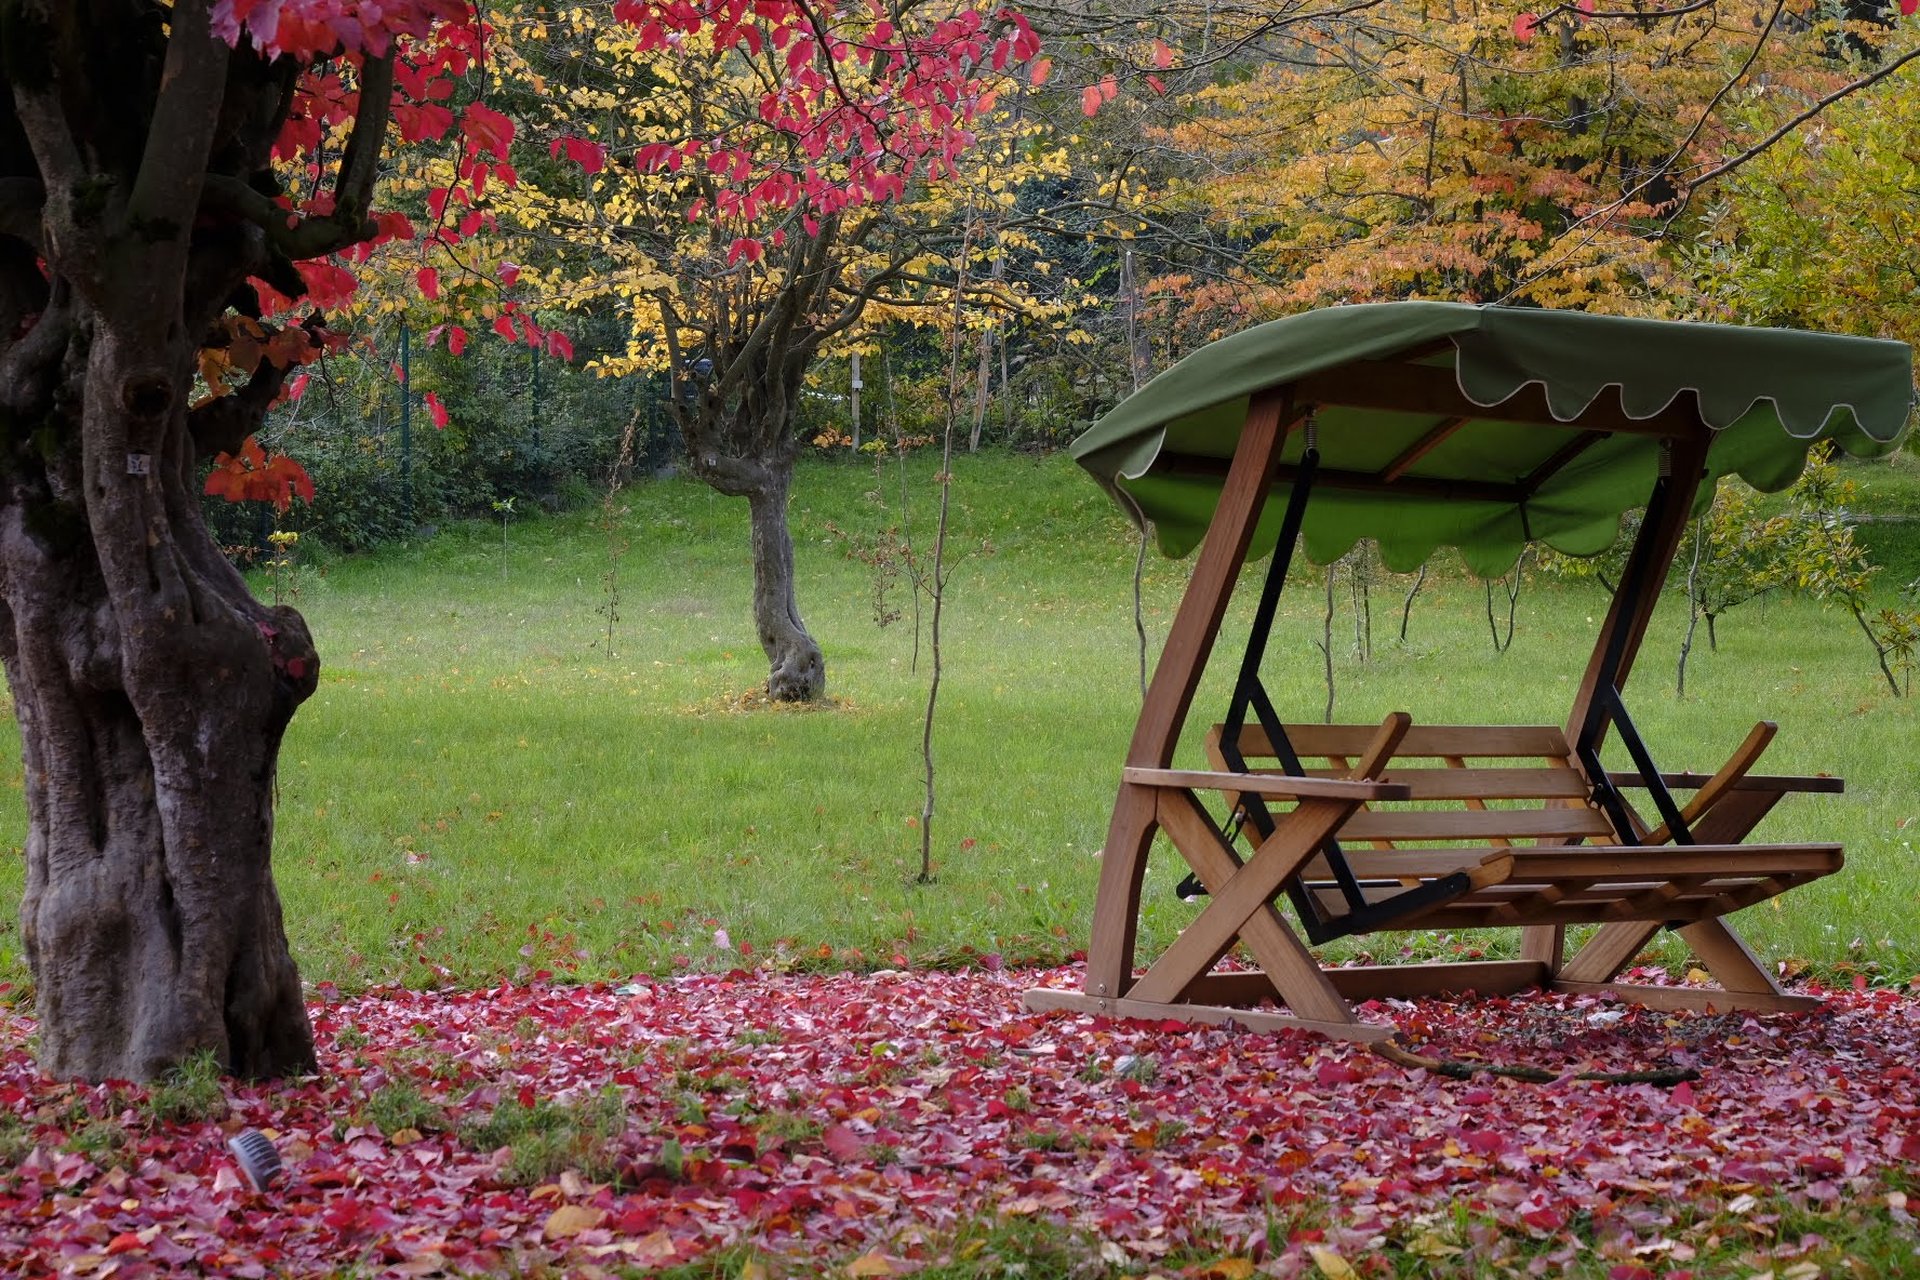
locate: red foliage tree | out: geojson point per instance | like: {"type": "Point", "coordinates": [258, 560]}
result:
{"type": "Point", "coordinates": [184, 188]}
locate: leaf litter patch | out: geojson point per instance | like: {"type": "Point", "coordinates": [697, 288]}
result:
{"type": "Point", "coordinates": [832, 1122]}
{"type": "Point", "coordinates": [756, 700]}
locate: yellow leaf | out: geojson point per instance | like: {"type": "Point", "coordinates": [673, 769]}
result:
{"type": "Point", "coordinates": [657, 1247]}
{"type": "Point", "coordinates": [753, 1271]}
{"type": "Point", "coordinates": [1698, 975]}
{"type": "Point", "coordinates": [571, 1220]}
{"type": "Point", "coordinates": [1229, 1269]}
{"type": "Point", "coordinates": [404, 1137]}
{"type": "Point", "coordinates": [872, 1263]}
{"type": "Point", "coordinates": [1331, 1264]}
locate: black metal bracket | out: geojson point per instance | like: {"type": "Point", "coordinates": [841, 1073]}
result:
{"type": "Point", "coordinates": [1375, 916]}
{"type": "Point", "coordinates": [1607, 707]}
{"type": "Point", "coordinates": [1649, 771]}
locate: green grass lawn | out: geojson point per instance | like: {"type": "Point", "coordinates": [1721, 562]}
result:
{"type": "Point", "coordinates": [480, 789]}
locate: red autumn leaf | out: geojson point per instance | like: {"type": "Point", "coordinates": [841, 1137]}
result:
{"type": "Point", "coordinates": [928, 1089]}
{"type": "Point", "coordinates": [436, 409]}
{"type": "Point", "coordinates": [590, 156]}
{"type": "Point", "coordinates": [842, 1142]}
{"type": "Point", "coordinates": [487, 129]}
{"type": "Point", "coordinates": [1524, 26]}
{"type": "Point", "coordinates": [255, 476]}
{"type": "Point", "coordinates": [329, 287]}
{"type": "Point", "coordinates": [429, 281]}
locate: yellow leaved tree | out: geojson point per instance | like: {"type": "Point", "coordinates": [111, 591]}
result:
{"type": "Point", "coordinates": [679, 186]}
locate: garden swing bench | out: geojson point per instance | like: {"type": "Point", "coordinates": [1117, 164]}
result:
{"type": "Point", "coordinates": [1421, 425]}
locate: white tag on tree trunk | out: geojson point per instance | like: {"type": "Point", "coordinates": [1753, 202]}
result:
{"type": "Point", "coordinates": [139, 464]}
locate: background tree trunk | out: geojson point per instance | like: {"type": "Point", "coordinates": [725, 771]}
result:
{"type": "Point", "coordinates": [796, 669]}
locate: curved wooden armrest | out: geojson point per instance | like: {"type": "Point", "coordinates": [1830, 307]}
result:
{"type": "Point", "coordinates": [1723, 781]}
{"type": "Point", "coordinates": [1269, 784]}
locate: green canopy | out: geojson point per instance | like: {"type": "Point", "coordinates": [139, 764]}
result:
{"type": "Point", "coordinates": [1483, 428]}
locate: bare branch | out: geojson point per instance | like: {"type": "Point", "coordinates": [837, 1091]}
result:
{"type": "Point", "coordinates": [353, 189]}
{"type": "Point", "coordinates": [29, 369]}
{"type": "Point", "coordinates": [313, 236]}
{"type": "Point", "coordinates": [1846, 90]}
{"type": "Point", "coordinates": [40, 111]}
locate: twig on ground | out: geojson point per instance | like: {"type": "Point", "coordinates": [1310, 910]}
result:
{"type": "Point", "coordinates": [1457, 1070]}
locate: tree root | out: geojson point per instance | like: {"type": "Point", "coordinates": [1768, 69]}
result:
{"type": "Point", "coordinates": [1456, 1070]}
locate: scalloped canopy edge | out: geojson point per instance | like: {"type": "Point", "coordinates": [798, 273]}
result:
{"type": "Point", "coordinates": [1558, 455]}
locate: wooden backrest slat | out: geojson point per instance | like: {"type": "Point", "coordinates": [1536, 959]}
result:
{"type": "Point", "coordinates": [1431, 740]}
{"type": "Point", "coordinates": [1477, 784]}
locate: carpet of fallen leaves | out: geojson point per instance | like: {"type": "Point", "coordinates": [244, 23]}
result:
{"type": "Point", "coordinates": [849, 1124]}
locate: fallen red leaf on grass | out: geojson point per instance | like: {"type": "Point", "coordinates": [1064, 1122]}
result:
{"type": "Point", "coordinates": [864, 1115]}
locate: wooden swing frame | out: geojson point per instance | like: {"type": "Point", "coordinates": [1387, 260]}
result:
{"type": "Point", "coordinates": [1685, 871]}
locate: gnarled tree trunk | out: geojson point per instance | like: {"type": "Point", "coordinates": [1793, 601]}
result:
{"type": "Point", "coordinates": [152, 689]}
{"type": "Point", "coordinates": [152, 692]}
{"type": "Point", "coordinates": [796, 669]}
{"type": "Point", "coordinates": [738, 362]}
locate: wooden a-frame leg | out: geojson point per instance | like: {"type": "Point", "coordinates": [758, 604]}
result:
{"type": "Point", "coordinates": [1621, 633]}
{"type": "Point", "coordinates": [1732, 964]}
{"type": "Point", "coordinates": [1244, 893]}
{"type": "Point", "coordinates": [1295, 974]}
{"type": "Point", "coordinates": [1116, 906]}
{"type": "Point", "coordinates": [1176, 677]}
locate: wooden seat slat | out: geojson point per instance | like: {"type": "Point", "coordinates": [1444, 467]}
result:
{"type": "Point", "coordinates": [1574, 890]}
{"type": "Point", "coordinates": [1454, 915]}
{"type": "Point", "coordinates": [1497, 905]}
{"type": "Point", "coordinates": [1599, 863]}
{"type": "Point", "coordinates": [1674, 860]}
{"type": "Point", "coordinates": [1820, 783]}
{"type": "Point", "coordinates": [1267, 784]}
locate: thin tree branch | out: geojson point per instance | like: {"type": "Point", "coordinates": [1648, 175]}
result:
{"type": "Point", "coordinates": [1846, 90]}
